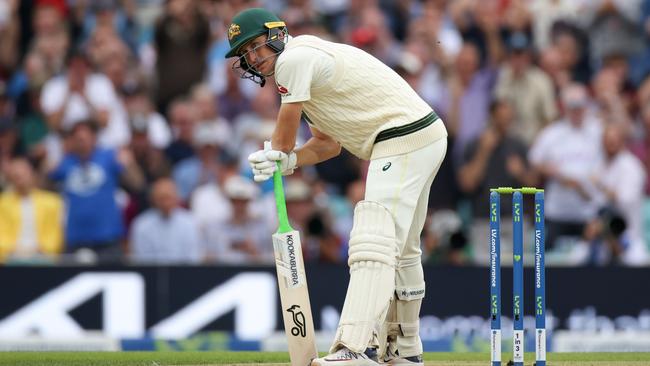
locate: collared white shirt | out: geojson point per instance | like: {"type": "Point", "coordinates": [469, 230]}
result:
{"type": "Point", "coordinates": [576, 152]}
{"type": "Point", "coordinates": [158, 239]}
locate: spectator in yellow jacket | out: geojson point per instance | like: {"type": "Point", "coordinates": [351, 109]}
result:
{"type": "Point", "coordinates": [30, 218]}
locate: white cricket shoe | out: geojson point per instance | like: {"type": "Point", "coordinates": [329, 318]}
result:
{"type": "Point", "coordinates": [394, 359]}
{"type": "Point", "coordinates": [345, 357]}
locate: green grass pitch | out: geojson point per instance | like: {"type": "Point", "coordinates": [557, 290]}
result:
{"type": "Point", "coordinates": [281, 358]}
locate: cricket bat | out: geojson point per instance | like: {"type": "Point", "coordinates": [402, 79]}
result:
{"type": "Point", "coordinates": [294, 297]}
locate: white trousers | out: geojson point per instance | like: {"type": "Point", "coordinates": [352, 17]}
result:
{"type": "Point", "coordinates": [401, 183]}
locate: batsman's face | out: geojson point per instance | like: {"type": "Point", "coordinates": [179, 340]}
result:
{"type": "Point", "coordinates": [259, 56]}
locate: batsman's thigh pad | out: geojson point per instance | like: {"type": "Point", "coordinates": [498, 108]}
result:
{"type": "Point", "coordinates": [409, 292]}
{"type": "Point", "coordinates": [372, 259]}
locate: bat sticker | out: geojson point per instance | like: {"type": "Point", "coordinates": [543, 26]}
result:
{"type": "Point", "coordinates": [300, 327]}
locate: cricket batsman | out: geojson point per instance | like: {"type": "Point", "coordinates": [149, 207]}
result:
{"type": "Point", "coordinates": [352, 100]}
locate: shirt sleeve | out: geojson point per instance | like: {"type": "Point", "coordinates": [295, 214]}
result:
{"type": "Point", "coordinates": [59, 173]}
{"type": "Point", "coordinates": [100, 92]}
{"type": "Point", "coordinates": [193, 247]}
{"type": "Point", "coordinates": [538, 153]}
{"type": "Point", "coordinates": [630, 187]}
{"type": "Point", "coordinates": [138, 242]}
{"type": "Point", "coordinates": [295, 72]}
{"type": "Point", "coordinates": [116, 166]}
{"type": "Point", "coordinates": [53, 95]}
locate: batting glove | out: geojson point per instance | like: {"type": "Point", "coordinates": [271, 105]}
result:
{"type": "Point", "coordinates": [287, 161]}
{"type": "Point", "coordinates": [264, 163]}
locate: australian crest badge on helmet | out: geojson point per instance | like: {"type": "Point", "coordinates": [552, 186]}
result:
{"type": "Point", "coordinates": [233, 31]}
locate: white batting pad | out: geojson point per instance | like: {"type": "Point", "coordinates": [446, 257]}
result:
{"type": "Point", "coordinates": [372, 258]}
{"type": "Point", "coordinates": [409, 290]}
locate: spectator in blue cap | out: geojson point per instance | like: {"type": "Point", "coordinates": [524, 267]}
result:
{"type": "Point", "coordinates": [526, 87]}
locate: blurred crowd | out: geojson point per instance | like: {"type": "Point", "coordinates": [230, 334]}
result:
{"type": "Point", "coordinates": [124, 132]}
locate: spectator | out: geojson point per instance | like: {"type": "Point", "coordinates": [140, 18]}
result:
{"type": "Point", "coordinates": [236, 98]}
{"type": "Point", "coordinates": [9, 36]}
{"type": "Point", "coordinates": [115, 62]}
{"type": "Point", "coordinates": [641, 146]}
{"type": "Point", "coordinates": [319, 241]}
{"type": "Point", "coordinates": [613, 27]}
{"type": "Point", "coordinates": [206, 106]}
{"type": "Point", "coordinates": [255, 126]}
{"type": "Point", "coordinates": [30, 78]}
{"type": "Point", "coordinates": [107, 14]}
{"type": "Point", "coordinates": [422, 42]}
{"type": "Point", "coordinates": [573, 43]}
{"type": "Point", "coordinates": [90, 177]}
{"type": "Point", "coordinates": [33, 127]}
{"type": "Point", "coordinates": [620, 182]}
{"type": "Point", "coordinates": [166, 233]}
{"type": "Point", "coordinates": [210, 206]}
{"type": "Point", "coordinates": [552, 62]}
{"type": "Point", "coordinates": [608, 241]}
{"type": "Point", "coordinates": [182, 119]}
{"type": "Point", "coordinates": [548, 13]}
{"type": "Point", "coordinates": [319, 230]}
{"type": "Point", "coordinates": [465, 102]}
{"type": "Point", "coordinates": [143, 117]}
{"type": "Point", "coordinates": [31, 219]}
{"type": "Point", "coordinates": [342, 208]}
{"type": "Point", "coordinates": [529, 90]}
{"type": "Point", "coordinates": [182, 37]}
{"type": "Point", "coordinates": [100, 46]}
{"type": "Point", "coordinates": [150, 160]}
{"type": "Point", "coordinates": [496, 159]}
{"type": "Point", "coordinates": [204, 166]}
{"type": "Point", "coordinates": [607, 86]}
{"type": "Point", "coordinates": [566, 153]}
{"type": "Point", "coordinates": [208, 202]}
{"type": "Point", "coordinates": [444, 241]}
{"type": "Point", "coordinates": [54, 47]}
{"type": "Point", "coordinates": [9, 147]}
{"type": "Point", "coordinates": [372, 34]}
{"type": "Point", "coordinates": [479, 23]}
{"type": "Point", "coordinates": [517, 17]}
{"type": "Point", "coordinates": [81, 95]}
{"type": "Point", "coordinates": [6, 104]}
{"type": "Point", "coordinates": [409, 67]}
{"type": "Point", "coordinates": [244, 237]}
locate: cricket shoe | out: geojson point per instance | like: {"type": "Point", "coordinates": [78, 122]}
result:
{"type": "Point", "coordinates": [394, 359]}
{"type": "Point", "coordinates": [345, 357]}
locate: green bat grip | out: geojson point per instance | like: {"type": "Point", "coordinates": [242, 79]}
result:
{"type": "Point", "coordinates": [280, 203]}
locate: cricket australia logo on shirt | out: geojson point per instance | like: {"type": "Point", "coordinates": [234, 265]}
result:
{"type": "Point", "coordinates": [284, 92]}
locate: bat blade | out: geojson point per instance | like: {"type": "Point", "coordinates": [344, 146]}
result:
{"type": "Point", "coordinates": [294, 298]}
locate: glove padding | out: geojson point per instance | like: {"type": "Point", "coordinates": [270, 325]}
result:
{"type": "Point", "coordinates": [264, 162]}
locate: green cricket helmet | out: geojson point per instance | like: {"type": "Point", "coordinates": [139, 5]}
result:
{"type": "Point", "coordinates": [248, 25]}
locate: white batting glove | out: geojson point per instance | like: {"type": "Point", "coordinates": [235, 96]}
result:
{"type": "Point", "coordinates": [261, 166]}
{"type": "Point", "coordinates": [264, 163]}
